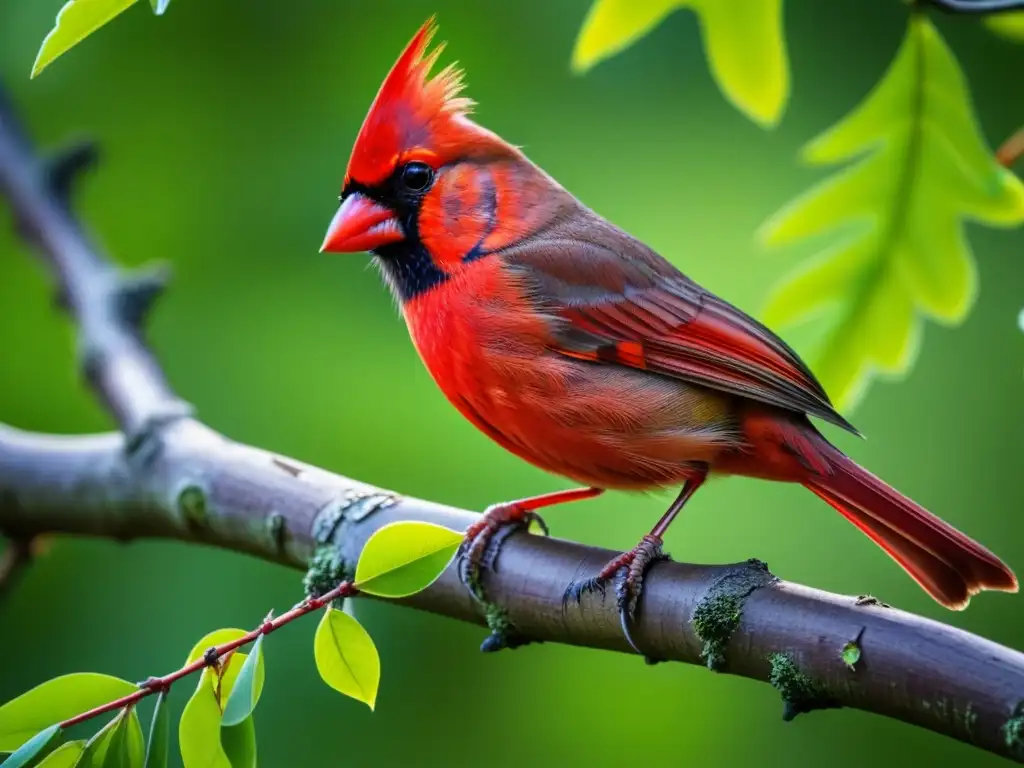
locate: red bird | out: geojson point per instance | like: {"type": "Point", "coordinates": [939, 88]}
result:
{"type": "Point", "coordinates": [579, 349]}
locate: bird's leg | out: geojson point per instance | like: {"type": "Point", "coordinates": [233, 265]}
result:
{"type": "Point", "coordinates": [483, 539]}
{"type": "Point", "coordinates": [628, 569]}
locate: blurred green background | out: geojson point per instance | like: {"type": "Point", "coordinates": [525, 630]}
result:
{"type": "Point", "coordinates": [226, 127]}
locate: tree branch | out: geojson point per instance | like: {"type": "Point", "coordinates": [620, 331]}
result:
{"type": "Point", "coordinates": [107, 303]}
{"type": "Point", "coordinates": [976, 6]}
{"type": "Point", "coordinates": [172, 477]}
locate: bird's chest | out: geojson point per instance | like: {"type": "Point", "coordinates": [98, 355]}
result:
{"type": "Point", "coordinates": [481, 345]}
{"type": "Point", "coordinates": [448, 336]}
{"type": "Point", "coordinates": [489, 351]}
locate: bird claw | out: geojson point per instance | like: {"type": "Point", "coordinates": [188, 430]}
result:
{"type": "Point", "coordinates": [577, 589]}
{"type": "Point", "coordinates": [627, 570]}
{"type": "Point", "coordinates": [629, 581]}
{"type": "Point", "coordinates": [483, 541]}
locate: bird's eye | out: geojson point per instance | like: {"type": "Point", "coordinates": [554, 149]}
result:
{"type": "Point", "coordinates": [417, 176]}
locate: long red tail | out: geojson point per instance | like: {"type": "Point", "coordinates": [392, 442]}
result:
{"type": "Point", "coordinates": [950, 566]}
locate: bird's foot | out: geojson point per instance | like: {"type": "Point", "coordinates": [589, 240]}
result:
{"type": "Point", "coordinates": [479, 551]}
{"type": "Point", "coordinates": [483, 539]}
{"type": "Point", "coordinates": [628, 571]}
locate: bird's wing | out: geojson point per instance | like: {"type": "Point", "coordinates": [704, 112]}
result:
{"type": "Point", "coordinates": [613, 300]}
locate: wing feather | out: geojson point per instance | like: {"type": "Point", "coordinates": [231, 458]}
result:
{"type": "Point", "coordinates": [612, 300]}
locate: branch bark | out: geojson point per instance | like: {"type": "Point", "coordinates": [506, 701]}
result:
{"type": "Point", "coordinates": [166, 475]}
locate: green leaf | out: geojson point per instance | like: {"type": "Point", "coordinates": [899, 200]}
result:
{"type": "Point", "coordinates": [36, 746]}
{"type": "Point", "coordinates": [405, 557]}
{"type": "Point", "coordinates": [922, 167]}
{"type": "Point", "coordinates": [346, 657]}
{"type": "Point", "coordinates": [54, 701]}
{"type": "Point", "coordinates": [159, 6]}
{"type": "Point", "coordinates": [1008, 25]}
{"type": "Point", "coordinates": [203, 743]}
{"type": "Point", "coordinates": [743, 39]}
{"type": "Point", "coordinates": [119, 744]}
{"type": "Point", "coordinates": [239, 743]}
{"type": "Point", "coordinates": [850, 653]}
{"type": "Point", "coordinates": [159, 744]}
{"type": "Point", "coordinates": [65, 756]}
{"type": "Point", "coordinates": [245, 692]}
{"type": "Point", "coordinates": [76, 20]}
{"type": "Point", "coordinates": [612, 26]}
{"type": "Point", "coordinates": [233, 673]}
{"type": "Point", "coordinates": [199, 727]}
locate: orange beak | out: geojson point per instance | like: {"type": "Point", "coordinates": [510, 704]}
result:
{"type": "Point", "coordinates": [361, 225]}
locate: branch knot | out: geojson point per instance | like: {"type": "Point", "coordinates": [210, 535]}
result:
{"type": "Point", "coordinates": [717, 616]}
{"type": "Point", "coordinates": [137, 291]}
{"type": "Point", "coordinates": [66, 165]}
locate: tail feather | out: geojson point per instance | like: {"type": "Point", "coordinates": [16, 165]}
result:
{"type": "Point", "coordinates": [949, 566]}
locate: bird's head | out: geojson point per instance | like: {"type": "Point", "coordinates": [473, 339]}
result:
{"type": "Point", "coordinates": [421, 191]}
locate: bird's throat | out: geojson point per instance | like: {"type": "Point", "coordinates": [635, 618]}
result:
{"type": "Point", "coordinates": [408, 269]}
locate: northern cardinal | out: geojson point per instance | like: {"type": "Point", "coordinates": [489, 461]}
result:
{"type": "Point", "coordinates": [579, 349]}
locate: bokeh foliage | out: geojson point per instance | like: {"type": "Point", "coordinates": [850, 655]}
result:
{"type": "Point", "coordinates": [929, 161]}
{"type": "Point", "coordinates": [743, 40]}
{"type": "Point", "coordinates": [923, 167]}
{"type": "Point", "coordinates": [225, 132]}
{"type": "Point", "coordinates": [1009, 25]}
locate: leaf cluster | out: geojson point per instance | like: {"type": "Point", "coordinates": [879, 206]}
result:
{"type": "Point", "coordinates": [917, 168]}
{"type": "Point", "coordinates": [921, 168]}
{"type": "Point", "coordinates": [217, 729]}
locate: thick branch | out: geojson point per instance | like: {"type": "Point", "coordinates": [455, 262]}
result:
{"type": "Point", "coordinates": [976, 6]}
{"type": "Point", "coordinates": [202, 488]}
{"type": "Point", "coordinates": [175, 478]}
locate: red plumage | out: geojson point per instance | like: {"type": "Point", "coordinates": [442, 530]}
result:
{"type": "Point", "coordinates": [579, 349]}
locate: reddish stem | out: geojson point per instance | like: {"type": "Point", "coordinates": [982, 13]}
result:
{"type": "Point", "coordinates": [213, 655]}
{"type": "Point", "coordinates": [1011, 150]}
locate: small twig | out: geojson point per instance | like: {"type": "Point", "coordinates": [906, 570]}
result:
{"type": "Point", "coordinates": [65, 167]}
{"type": "Point", "coordinates": [214, 655]}
{"type": "Point", "coordinates": [14, 560]}
{"type": "Point", "coordinates": [1010, 151]}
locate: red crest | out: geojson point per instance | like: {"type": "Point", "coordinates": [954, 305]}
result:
{"type": "Point", "coordinates": [414, 116]}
